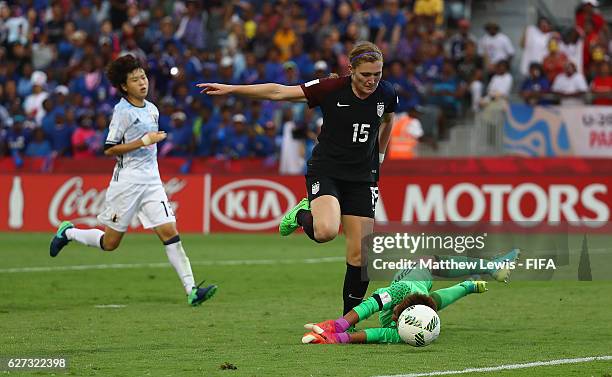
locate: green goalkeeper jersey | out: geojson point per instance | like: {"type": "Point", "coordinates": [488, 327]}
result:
{"type": "Point", "coordinates": [405, 283]}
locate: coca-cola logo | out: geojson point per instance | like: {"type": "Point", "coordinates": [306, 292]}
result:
{"type": "Point", "coordinates": [82, 206]}
{"type": "Point", "coordinates": [251, 204]}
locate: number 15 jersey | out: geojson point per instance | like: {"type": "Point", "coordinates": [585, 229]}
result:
{"type": "Point", "coordinates": [348, 142]}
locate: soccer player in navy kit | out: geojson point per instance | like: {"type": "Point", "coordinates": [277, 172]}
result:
{"type": "Point", "coordinates": [342, 173]}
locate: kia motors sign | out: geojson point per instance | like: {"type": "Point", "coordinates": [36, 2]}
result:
{"type": "Point", "coordinates": [249, 204]}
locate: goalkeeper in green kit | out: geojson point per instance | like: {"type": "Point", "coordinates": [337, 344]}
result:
{"type": "Point", "coordinates": [409, 287]}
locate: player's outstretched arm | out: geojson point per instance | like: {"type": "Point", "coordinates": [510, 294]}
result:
{"type": "Point", "coordinates": [147, 139]}
{"type": "Point", "coordinates": [270, 91]}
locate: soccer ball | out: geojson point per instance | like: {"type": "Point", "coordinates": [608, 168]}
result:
{"type": "Point", "coordinates": [418, 325]}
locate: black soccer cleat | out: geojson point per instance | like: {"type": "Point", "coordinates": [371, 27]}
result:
{"type": "Point", "coordinates": [60, 240]}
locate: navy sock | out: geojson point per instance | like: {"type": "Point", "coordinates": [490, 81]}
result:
{"type": "Point", "coordinates": [354, 288]}
{"type": "Point", "coordinates": [304, 218]}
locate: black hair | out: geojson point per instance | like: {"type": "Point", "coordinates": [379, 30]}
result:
{"type": "Point", "coordinates": [119, 69]}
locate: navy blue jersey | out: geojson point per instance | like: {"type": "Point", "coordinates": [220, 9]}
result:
{"type": "Point", "coordinates": [348, 142]}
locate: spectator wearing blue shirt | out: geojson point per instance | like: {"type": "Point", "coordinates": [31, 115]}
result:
{"type": "Point", "coordinates": [180, 139]}
{"type": "Point", "coordinates": [406, 91]}
{"type": "Point", "coordinates": [448, 91]}
{"type": "Point", "coordinates": [204, 127]}
{"type": "Point", "coordinates": [431, 68]}
{"type": "Point", "coordinates": [393, 22]}
{"type": "Point", "coordinates": [238, 143]}
{"type": "Point", "coordinates": [17, 136]}
{"type": "Point", "coordinates": [61, 136]}
{"type": "Point", "coordinates": [39, 146]}
{"type": "Point", "coordinates": [536, 86]}
{"type": "Point", "coordinates": [264, 145]}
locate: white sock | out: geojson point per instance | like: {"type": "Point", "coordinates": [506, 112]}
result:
{"type": "Point", "coordinates": [180, 262]}
{"type": "Point", "coordinates": [89, 237]}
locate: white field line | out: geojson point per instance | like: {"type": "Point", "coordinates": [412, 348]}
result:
{"type": "Point", "coordinates": [119, 266]}
{"type": "Point", "coordinates": [506, 367]}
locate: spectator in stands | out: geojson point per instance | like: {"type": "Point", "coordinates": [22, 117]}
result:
{"type": "Point", "coordinates": [180, 138]}
{"type": "Point", "coordinates": [554, 63]}
{"type": "Point", "coordinates": [500, 85]}
{"type": "Point", "coordinates": [292, 148]}
{"type": "Point", "coordinates": [535, 87]}
{"type": "Point", "coordinates": [284, 38]}
{"type": "Point", "coordinates": [33, 103]}
{"type": "Point", "coordinates": [191, 29]}
{"type": "Point", "coordinates": [409, 44]}
{"type": "Point", "coordinates": [264, 145]}
{"type": "Point", "coordinates": [572, 46]}
{"type": "Point", "coordinates": [457, 44]}
{"type": "Point", "coordinates": [101, 123]}
{"type": "Point", "coordinates": [17, 139]}
{"type": "Point", "coordinates": [535, 44]}
{"type": "Point", "coordinates": [447, 93]}
{"type": "Point", "coordinates": [570, 86]}
{"type": "Point", "coordinates": [601, 86]}
{"type": "Point", "coordinates": [61, 137]}
{"type": "Point", "coordinates": [393, 22]}
{"type": "Point", "coordinates": [430, 69]}
{"type": "Point", "coordinates": [495, 46]}
{"type": "Point", "coordinates": [430, 13]}
{"type": "Point", "coordinates": [222, 132]}
{"type": "Point", "coordinates": [238, 143]}
{"type": "Point", "coordinates": [587, 12]}
{"type": "Point", "coordinates": [470, 69]}
{"type": "Point", "coordinates": [406, 91]}
{"type": "Point", "coordinates": [39, 146]}
{"type": "Point", "coordinates": [83, 137]}
{"type": "Point", "coordinates": [321, 69]}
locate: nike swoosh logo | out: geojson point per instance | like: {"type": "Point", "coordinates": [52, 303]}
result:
{"type": "Point", "coordinates": [355, 298]}
{"type": "Point", "coordinates": [341, 105]}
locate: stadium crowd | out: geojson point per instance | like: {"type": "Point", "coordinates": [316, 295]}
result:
{"type": "Point", "coordinates": [56, 101]}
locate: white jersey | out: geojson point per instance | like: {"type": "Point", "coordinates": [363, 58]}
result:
{"type": "Point", "coordinates": [131, 123]}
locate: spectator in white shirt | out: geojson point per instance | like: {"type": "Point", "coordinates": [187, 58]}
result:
{"type": "Point", "coordinates": [573, 47]}
{"type": "Point", "coordinates": [534, 43]}
{"type": "Point", "coordinates": [500, 85]}
{"type": "Point", "coordinates": [495, 46]}
{"type": "Point", "coordinates": [571, 86]}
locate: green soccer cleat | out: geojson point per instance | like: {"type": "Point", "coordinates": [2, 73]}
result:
{"type": "Point", "coordinates": [59, 240]}
{"type": "Point", "coordinates": [475, 286]}
{"type": "Point", "coordinates": [199, 295]}
{"type": "Point", "coordinates": [503, 274]}
{"type": "Point", "coordinates": [289, 222]}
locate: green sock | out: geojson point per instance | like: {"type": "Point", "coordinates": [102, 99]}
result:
{"type": "Point", "coordinates": [446, 296]}
{"type": "Point", "coordinates": [471, 266]}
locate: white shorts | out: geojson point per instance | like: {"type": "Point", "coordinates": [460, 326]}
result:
{"type": "Point", "coordinates": [124, 200]}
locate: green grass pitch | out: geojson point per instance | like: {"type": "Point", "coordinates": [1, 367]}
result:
{"type": "Point", "coordinates": [255, 321]}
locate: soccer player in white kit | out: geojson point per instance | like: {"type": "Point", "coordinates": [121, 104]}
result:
{"type": "Point", "coordinates": [136, 187]}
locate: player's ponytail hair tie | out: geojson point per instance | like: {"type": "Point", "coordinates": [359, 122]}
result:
{"type": "Point", "coordinates": [364, 54]}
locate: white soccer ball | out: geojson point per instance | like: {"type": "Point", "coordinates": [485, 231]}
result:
{"type": "Point", "coordinates": [418, 325]}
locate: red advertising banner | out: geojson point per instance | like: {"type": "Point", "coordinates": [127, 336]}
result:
{"type": "Point", "coordinates": [526, 197]}
{"type": "Point", "coordinates": [41, 202]}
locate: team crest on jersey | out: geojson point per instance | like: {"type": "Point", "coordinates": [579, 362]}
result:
{"type": "Point", "coordinates": [380, 108]}
{"type": "Point", "coordinates": [315, 188]}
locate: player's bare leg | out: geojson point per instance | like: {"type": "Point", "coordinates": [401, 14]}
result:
{"type": "Point", "coordinates": [325, 217]}
{"type": "Point", "coordinates": [355, 228]}
{"type": "Point", "coordinates": [169, 236]}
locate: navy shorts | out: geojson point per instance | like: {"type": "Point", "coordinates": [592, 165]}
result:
{"type": "Point", "coordinates": [355, 198]}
